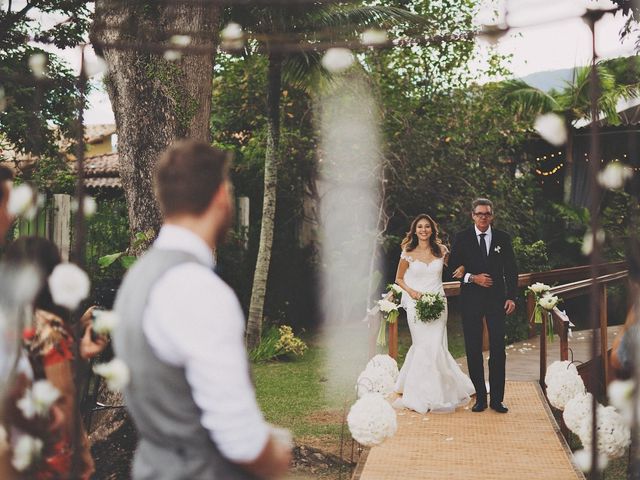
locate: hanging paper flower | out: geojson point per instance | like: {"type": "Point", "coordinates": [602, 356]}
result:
{"type": "Point", "coordinates": [69, 285]}
{"type": "Point", "coordinates": [26, 452]}
{"type": "Point", "coordinates": [105, 322]}
{"type": "Point", "coordinates": [115, 372]}
{"type": "Point", "coordinates": [337, 60]}
{"type": "Point", "coordinates": [552, 128]}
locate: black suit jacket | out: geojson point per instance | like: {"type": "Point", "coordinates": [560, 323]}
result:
{"type": "Point", "coordinates": [500, 264]}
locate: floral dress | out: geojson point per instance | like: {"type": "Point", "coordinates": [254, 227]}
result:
{"type": "Point", "coordinates": [50, 342]}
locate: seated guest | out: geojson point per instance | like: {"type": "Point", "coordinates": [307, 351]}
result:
{"type": "Point", "coordinates": [50, 346]}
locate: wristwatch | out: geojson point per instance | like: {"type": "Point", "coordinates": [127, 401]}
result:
{"type": "Point", "coordinates": [471, 277]}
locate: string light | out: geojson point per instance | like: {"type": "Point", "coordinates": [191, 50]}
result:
{"type": "Point", "coordinates": [550, 172]}
{"type": "Point", "coordinates": [544, 157]}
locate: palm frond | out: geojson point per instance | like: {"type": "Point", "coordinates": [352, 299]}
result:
{"type": "Point", "coordinates": [298, 68]}
{"type": "Point", "coordinates": [365, 16]}
{"type": "Point", "coordinates": [523, 99]}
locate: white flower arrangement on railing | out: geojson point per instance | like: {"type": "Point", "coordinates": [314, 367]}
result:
{"type": "Point", "coordinates": [566, 391]}
{"type": "Point", "coordinates": [388, 306]}
{"type": "Point", "coordinates": [545, 302]}
{"type": "Point", "coordinates": [372, 420]}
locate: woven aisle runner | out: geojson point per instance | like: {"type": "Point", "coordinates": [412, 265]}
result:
{"type": "Point", "coordinates": [522, 444]}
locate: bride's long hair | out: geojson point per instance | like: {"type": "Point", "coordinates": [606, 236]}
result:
{"type": "Point", "coordinates": [410, 241]}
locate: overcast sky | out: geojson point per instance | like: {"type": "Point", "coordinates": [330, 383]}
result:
{"type": "Point", "coordinates": [545, 35]}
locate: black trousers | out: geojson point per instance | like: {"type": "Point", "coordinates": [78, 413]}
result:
{"type": "Point", "coordinates": [472, 314]}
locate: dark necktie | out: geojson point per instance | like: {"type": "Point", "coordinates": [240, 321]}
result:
{"type": "Point", "coordinates": [483, 245]}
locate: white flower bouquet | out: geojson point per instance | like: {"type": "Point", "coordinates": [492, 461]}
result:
{"type": "Point", "coordinates": [545, 303]}
{"type": "Point", "coordinates": [388, 305]}
{"type": "Point", "coordinates": [430, 306]}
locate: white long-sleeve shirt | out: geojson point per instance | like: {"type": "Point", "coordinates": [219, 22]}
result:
{"type": "Point", "coordinates": [487, 239]}
{"type": "Point", "coordinates": [194, 320]}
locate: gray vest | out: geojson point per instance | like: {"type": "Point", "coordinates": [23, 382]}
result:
{"type": "Point", "coordinates": [172, 442]}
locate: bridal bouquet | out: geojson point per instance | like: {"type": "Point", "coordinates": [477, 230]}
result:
{"type": "Point", "coordinates": [389, 308]}
{"type": "Point", "coordinates": [429, 307]}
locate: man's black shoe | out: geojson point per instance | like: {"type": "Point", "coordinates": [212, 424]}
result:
{"type": "Point", "coordinates": [499, 407]}
{"type": "Point", "coordinates": [479, 406]}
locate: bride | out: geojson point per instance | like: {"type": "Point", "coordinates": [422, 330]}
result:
{"type": "Point", "coordinates": [430, 379]}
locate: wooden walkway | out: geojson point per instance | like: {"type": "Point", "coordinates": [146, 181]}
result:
{"type": "Point", "coordinates": [525, 443]}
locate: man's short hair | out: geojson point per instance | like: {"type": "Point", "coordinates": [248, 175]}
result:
{"type": "Point", "coordinates": [188, 175]}
{"type": "Point", "coordinates": [6, 175]}
{"type": "Point", "coordinates": [481, 201]}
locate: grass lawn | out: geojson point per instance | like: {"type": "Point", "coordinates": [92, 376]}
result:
{"type": "Point", "coordinates": [293, 394]}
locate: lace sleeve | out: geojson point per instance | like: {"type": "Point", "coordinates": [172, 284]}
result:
{"type": "Point", "coordinates": [406, 257]}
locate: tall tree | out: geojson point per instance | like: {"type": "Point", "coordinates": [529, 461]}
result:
{"type": "Point", "coordinates": [304, 23]}
{"type": "Point", "coordinates": [37, 89]}
{"type": "Point", "coordinates": [157, 98]}
{"type": "Point", "coordinates": [572, 103]}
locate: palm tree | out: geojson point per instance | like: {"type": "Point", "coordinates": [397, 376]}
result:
{"type": "Point", "coordinates": [307, 23]}
{"type": "Point", "coordinates": [571, 103]}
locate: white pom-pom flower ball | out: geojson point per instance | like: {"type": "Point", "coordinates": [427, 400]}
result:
{"type": "Point", "coordinates": [372, 420]}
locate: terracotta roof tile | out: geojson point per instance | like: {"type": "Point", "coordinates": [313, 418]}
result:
{"type": "Point", "coordinates": [101, 165]}
{"type": "Point", "coordinates": [103, 182]}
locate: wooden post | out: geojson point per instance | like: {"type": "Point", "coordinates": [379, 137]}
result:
{"type": "Point", "coordinates": [543, 353]}
{"type": "Point", "coordinates": [564, 341]}
{"type": "Point", "coordinates": [531, 305]}
{"type": "Point", "coordinates": [243, 220]}
{"type": "Point", "coordinates": [62, 224]}
{"type": "Point", "coordinates": [603, 335]}
{"type": "Point", "coordinates": [393, 340]}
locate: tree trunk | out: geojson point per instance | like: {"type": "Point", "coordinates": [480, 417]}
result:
{"type": "Point", "coordinates": [271, 164]}
{"type": "Point", "coordinates": [155, 101]}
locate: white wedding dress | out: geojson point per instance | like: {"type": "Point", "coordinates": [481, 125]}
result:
{"type": "Point", "coordinates": [430, 378]}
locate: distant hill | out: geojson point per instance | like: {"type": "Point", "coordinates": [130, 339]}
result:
{"type": "Point", "coordinates": [549, 80]}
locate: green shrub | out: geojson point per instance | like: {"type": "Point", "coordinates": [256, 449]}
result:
{"type": "Point", "coordinates": [278, 342]}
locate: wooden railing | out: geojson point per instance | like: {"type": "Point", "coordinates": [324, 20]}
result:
{"type": "Point", "coordinates": [561, 324]}
{"type": "Point", "coordinates": [573, 281]}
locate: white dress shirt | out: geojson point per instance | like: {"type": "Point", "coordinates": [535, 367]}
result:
{"type": "Point", "coordinates": [487, 239]}
{"type": "Point", "coordinates": [194, 320]}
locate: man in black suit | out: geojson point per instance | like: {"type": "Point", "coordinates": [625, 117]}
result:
{"type": "Point", "coordinates": [488, 290]}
